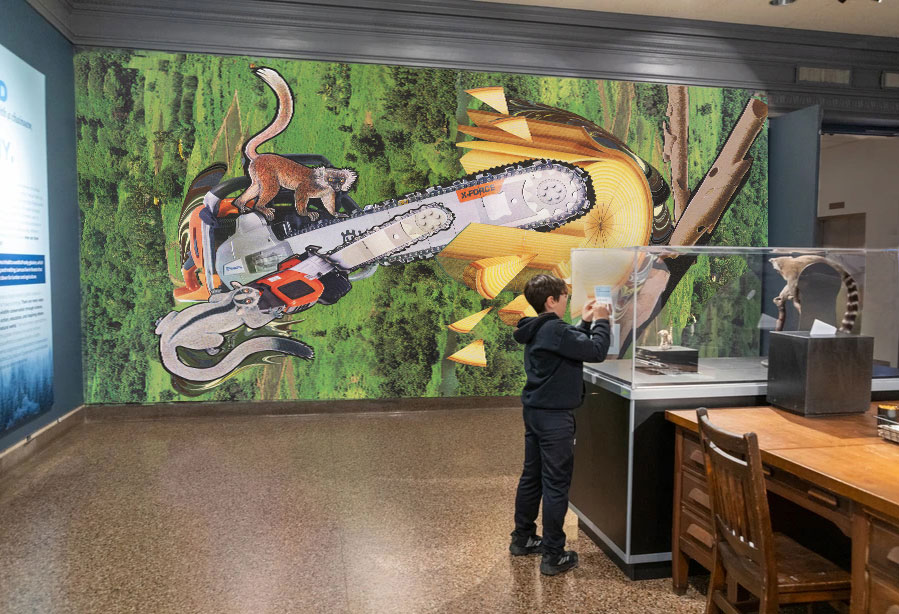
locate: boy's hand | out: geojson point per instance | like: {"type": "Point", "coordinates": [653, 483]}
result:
{"type": "Point", "coordinates": [601, 311]}
{"type": "Point", "coordinates": [587, 312]}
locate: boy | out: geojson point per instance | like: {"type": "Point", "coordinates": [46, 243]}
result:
{"type": "Point", "coordinates": [554, 357]}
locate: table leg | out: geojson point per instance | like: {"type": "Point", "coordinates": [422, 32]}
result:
{"type": "Point", "coordinates": [679, 562]}
{"type": "Point", "coordinates": [861, 534]}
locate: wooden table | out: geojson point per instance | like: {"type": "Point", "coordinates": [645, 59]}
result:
{"type": "Point", "coordinates": [836, 467]}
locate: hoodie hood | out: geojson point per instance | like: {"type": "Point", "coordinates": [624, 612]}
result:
{"type": "Point", "coordinates": [528, 327]}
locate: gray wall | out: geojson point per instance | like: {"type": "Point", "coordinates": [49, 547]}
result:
{"type": "Point", "coordinates": [793, 151]}
{"type": "Point", "coordinates": [24, 32]}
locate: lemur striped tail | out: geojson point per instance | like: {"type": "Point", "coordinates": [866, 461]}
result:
{"type": "Point", "coordinates": [852, 302]}
{"type": "Point", "coordinates": [283, 114]}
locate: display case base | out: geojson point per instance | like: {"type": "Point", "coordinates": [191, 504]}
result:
{"type": "Point", "coordinates": [634, 571]}
{"type": "Point", "coordinates": [820, 375]}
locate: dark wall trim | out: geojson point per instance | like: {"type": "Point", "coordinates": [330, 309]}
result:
{"type": "Point", "coordinates": [509, 38]}
{"type": "Point", "coordinates": [200, 409]}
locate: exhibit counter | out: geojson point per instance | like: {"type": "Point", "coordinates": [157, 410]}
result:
{"type": "Point", "coordinates": [622, 486]}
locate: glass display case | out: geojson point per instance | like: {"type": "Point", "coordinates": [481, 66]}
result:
{"type": "Point", "coordinates": [693, 315]}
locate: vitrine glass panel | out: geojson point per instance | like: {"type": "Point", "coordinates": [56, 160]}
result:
{"type": "Point", "coordinates": [704, 314]}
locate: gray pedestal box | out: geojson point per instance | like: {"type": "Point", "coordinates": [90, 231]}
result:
{"type": "Point", "coordinates": [820, 375]}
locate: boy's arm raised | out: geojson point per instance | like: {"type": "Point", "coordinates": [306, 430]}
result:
{"type": "Point", "coordinates": [587, 345]}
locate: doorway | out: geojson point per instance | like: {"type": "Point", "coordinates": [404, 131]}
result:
{"type": "Point", "coordinates": [841, 230]}
{"type": "Point", "coordinates": [858, 191]}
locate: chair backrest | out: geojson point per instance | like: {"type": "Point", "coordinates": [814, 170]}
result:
{"type": "Point", "coordinates": [739, 501]}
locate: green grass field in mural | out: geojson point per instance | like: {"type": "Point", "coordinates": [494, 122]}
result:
{"type": "Point", "coordinates": [149, 122]}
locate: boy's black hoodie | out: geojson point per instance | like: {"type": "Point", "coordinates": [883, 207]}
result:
{"type": "Point", "coordinates": [554, 357]}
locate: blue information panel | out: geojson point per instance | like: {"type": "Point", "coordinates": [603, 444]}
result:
{"type": "Point", "coordinates": [26, 352]}
{"type": "Point", "coordinates": [22, 269]}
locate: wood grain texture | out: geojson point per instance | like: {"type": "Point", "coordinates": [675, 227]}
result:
{"type": "Point", "coordinates": [868, 474]}
{"type": "Point", "coordinates": [778, 429]}
{"type": "Point", "coordinates": [842, 454]}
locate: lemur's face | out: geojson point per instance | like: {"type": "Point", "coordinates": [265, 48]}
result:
{"type": "Point", "coordinates": [775, 262]}
{"type": "Point", "coordinates": [245, 296]}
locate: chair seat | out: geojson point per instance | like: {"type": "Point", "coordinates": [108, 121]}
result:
{"type": "Point", "coordinates": [799, 570]}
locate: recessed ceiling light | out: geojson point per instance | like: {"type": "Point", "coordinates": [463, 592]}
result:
{"type": "Point", "coordinates": [781, 2]}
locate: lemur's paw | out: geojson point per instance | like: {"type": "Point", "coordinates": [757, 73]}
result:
{"type": "Point", "coordinates": [268, 212]}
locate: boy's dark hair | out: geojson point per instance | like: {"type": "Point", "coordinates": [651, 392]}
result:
{"type": "Point", "coordinates": [541, 287]}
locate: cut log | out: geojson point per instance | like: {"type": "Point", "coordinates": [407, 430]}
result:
{"type": "Point", "coordinates": [489, 276]}
{"type": "Point", "coordinates": [494, 96]}
{"type": "Point", "coordinates": [466, 325]}
{"type": "Point", "coordinates": [515, 125]}
{"type": "Point", "coordinates": [517, 309]}
{"type": "Point", "coordinates": [472, 354]}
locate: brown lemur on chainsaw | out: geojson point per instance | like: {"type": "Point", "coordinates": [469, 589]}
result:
{"type": "Point", "coordinates": [271, 172]}
{"type": "Point", "coordinates": [790, 268]}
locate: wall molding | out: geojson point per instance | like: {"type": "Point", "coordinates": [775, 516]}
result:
{"type": "Point", "coordinates": [508, 38]}
{"type": "Point", "coordinates": [17, 453]}
{"type": "Point", "coordinates": [215, 409]}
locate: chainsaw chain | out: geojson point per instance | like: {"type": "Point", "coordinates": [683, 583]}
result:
{"type": "Point", "coordinates": [375, 229]}
{"type": "Point", "coordinates": [482, 177]}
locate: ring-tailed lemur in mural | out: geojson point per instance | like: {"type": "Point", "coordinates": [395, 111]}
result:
{"type": "Point", "coordinates": [271, 172]}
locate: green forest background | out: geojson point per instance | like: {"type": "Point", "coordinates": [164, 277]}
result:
{"type": "Point", "coordinates": [148, 122]}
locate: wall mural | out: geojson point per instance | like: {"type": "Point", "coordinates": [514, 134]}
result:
{"type": "Point", "coordinates": [273, 229]}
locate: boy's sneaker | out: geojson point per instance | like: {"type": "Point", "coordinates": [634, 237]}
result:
{"type": "Point", "coordinates": [523, 546]}
{"type": "Point", "coordinates": [554, 564]}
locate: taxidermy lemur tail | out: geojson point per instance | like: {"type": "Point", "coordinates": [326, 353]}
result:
{"type": "Point", "coordinates": [852, 301]}
{"type": "Point", "coordinates": [283, 115]}
{"type": "Point", "coordinates": [790, 268]}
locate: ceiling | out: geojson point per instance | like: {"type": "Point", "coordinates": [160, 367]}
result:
{"type": "Point", "coordinates": [852, 16]}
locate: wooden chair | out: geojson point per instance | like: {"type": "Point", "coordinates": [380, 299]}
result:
{"type": "Point", "coordinates": [773, 568]}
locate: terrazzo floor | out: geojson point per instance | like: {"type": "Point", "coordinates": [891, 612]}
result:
{"type": "Point", "coordinates": [366, 513]}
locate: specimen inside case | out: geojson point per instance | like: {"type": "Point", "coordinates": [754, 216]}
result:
{"type": "Point", "coordinates": [692, 315]}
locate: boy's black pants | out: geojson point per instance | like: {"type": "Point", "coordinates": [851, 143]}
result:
{"type": "Point", "coordinates": [548, 463]}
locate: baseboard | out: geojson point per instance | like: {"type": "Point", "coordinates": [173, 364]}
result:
{"type": "Point", "coordinates": [193, 409]}
{"type": "Point", "coordinates": [19, 452]}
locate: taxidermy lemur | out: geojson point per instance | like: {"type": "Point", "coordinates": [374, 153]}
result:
{"type": "Point", "coordinates": [271, 172]}
{"type": "Point", "coordinates": [665, 339]}
{"type": "Point", "coordinates": [790, 268]}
